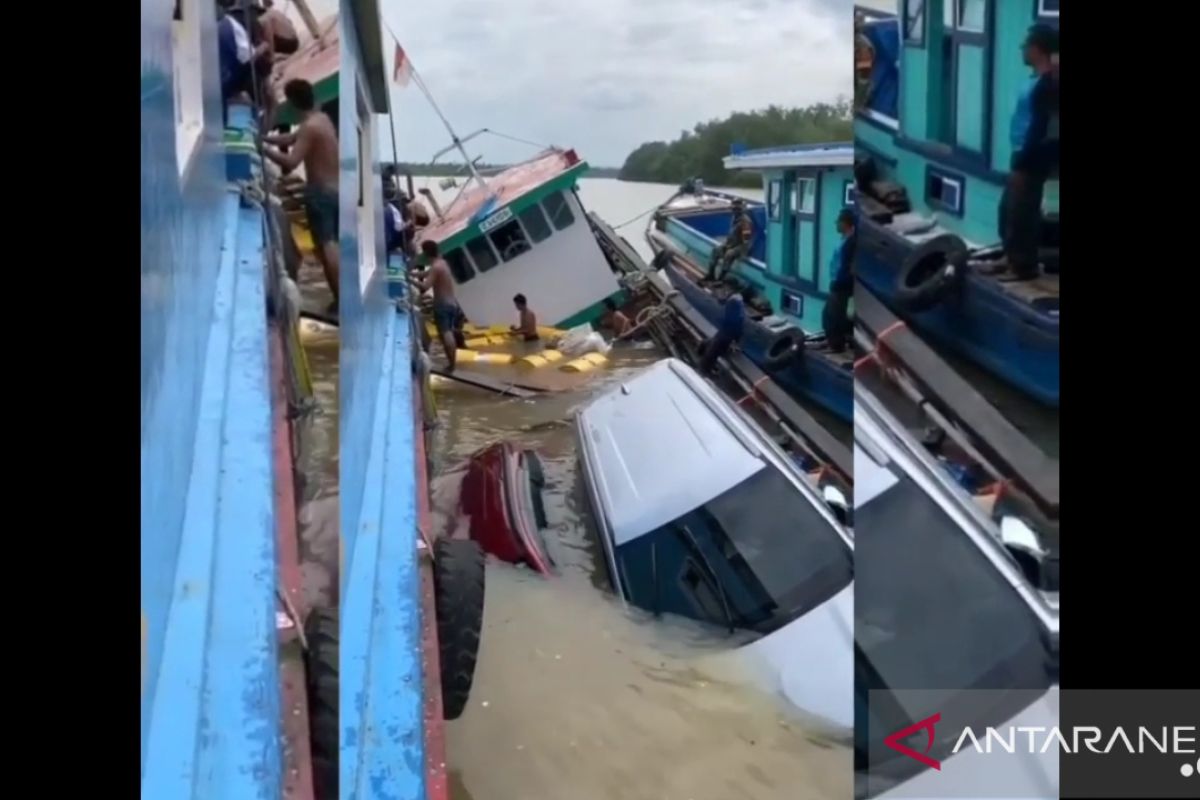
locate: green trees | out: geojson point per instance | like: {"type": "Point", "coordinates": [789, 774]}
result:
{"type": "Point", "coordinates": [699, 152]}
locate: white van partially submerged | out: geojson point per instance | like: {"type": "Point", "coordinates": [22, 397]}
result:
{"type": "Point", "coordinates": [701, 514]}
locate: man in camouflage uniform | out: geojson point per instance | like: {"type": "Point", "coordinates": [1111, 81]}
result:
{"type": "Point", "coordinates": [736, 245]}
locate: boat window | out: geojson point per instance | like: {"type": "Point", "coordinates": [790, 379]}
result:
{"type": "Point", "coordinates": [558, 210]}
{"type": "Point", "coordinates": [188, 74]}
{"type": "Point", "coordinates": [944, 191]}
{"type": "Point", "coordinates": [460, 265]}
{"type": "Point", "coordinates": [772, 535]}
{"type": "Point", "coordinates": [972, 15]}
{"type": "Point", "coordinates": [804, 196]}
{"type": "Point", "coordinates": [535, 223]}
{"type": "Point", "coordinates": [774, 196]}
{"type": "Point", "coordinates": [702, 593]}
{"type": "Point", "coordinates": [914, 21]}
{"type": "Point", "coordinates": [932, 612]}
{"type": "Point", "coordinates": [1048, 8]}
{"type": "Point", "coordinates": [510, 240]}
{"type": "Point", "coordinates": [792, 303]}
{"type": "Point", "coordinates": [482, 253]}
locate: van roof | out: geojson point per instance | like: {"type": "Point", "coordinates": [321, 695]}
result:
{"type": "Point", "coordinates": [661, 450]}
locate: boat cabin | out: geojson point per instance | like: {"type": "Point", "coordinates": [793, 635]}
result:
{"type": "Point", "coordinates": [526, 233]}
{"type": "Point", "coordinates": [700, 514]}
{"type": "Point", "coordinates": [805, 187]}
{"type": "Point", "coordinates": [939, 84]}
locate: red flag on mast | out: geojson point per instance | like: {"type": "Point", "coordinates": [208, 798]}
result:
{"type": "Point", "coordinates": [402, 70]}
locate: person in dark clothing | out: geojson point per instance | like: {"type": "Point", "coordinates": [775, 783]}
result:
{"type": "Point", "coordinates": [736, 245]}
{"type": "Point", "coordinates": [836, 316]}
{"type": "Point", "coordinates": [1034, 134]}
{"type": "Point", "coordinates": [733, 323]}
{"type": "Point", "coordinates": [253, 72]}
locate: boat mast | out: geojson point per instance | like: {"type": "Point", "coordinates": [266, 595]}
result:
{"type": "Point", "coordinates": [456, 143]}
{"type": "Point", "coordinates": [310, 21]}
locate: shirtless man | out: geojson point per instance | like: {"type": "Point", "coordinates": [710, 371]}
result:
{"type": "Point", "coordinates": [279, 30]}
{"type": "Point", "coordinates": [527, 320]}
{"type": "Point", "coordinates": [314, 144]}
{"type": "Point", "coordinates": [446, 313]}
{"type": "Point", "coordinates": [617, 321]}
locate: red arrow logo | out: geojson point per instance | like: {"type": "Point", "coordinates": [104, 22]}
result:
{"type": "Point", "coordinates": [928, 724]}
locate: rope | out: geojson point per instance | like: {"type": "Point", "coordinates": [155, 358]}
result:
{"type": "Point", "coordinates": [648, 315]}
{"type": "Point", "coordinates": [753, 393]}
{"type": "Point", "coordinates": [649, 210]}
{"type": "Point", "coordinates": [518, 139]}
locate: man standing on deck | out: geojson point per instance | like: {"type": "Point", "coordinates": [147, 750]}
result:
{"type": "Point", "coordinates": [526, 326]}
{"type": "Point", "coordinates": [446, 312]}
{"type": "Point", "coordinates": [1034, 134]}
{"type": "Point", "coordinates": [736, 245]}
{"type": "Point", "coordinates": [836, 316]}
{"type": "Point", "coordinates": [314, 144]}
{"type": "Point", "coordinates": [733, 323]}
{"type": "Point", "coordinates": [280, 30]}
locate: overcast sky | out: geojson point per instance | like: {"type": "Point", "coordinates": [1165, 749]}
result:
{"type": "Point", "coordinates": [603, 76]}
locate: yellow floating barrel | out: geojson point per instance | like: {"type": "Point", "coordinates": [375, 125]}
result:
{"type": "Point", "coordinates": [539, 359]}
{"type": "Point", "coordinates": [585, 363]}
{"type": "Point", "coordinates": [476, 357]}
{"type": "Point", "coordinates": [487, 341]}
{"type": "Point", "coordinates": [303, 238]}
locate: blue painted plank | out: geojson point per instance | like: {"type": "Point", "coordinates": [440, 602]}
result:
{"type": "Point", "coordinates": [215, 716]}
{"type": "Point", "coordinates": [382, 744]}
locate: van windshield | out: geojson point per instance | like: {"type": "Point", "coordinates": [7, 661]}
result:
{"type": "Point", "coordinates": [931, 613]}
{"type": "Point", "coordinates": [770, 535]}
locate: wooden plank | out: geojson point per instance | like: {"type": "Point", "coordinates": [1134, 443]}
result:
{"type": "Point", "coordinates": [997, 438]}
{"type": "Point", "coordinates": [481, 381]}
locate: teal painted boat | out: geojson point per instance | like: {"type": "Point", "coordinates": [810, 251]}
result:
{"type": "Point", "coordinates": [931, 134]}
{"type": "Point", "coordinates": [788, 263]}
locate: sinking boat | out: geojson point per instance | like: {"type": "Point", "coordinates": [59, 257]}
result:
{"type": "Point", "coordinates": [935, 566]}
{"type": "Point", "coordinates": [524, 231]}
{"type": "Point", "coordinates": [701, 514]}
{"type": "Point", "coordinates": [929, 194]}
{"type": "Point", "coordinates": [788, 264]}
{"type": "Point", "coordinates": [502, 495]}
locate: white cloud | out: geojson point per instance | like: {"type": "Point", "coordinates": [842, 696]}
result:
{"type": "Point", "coordinates": [603, 76]}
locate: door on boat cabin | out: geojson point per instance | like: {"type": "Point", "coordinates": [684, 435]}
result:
{"type": "Point", "coordinates": [960, 116]}
{"type": "Point", "coordinates": [803, 228]}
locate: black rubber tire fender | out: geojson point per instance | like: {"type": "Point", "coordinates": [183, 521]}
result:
{"type": "Point", "coordinates": [458, 585]}
{"type": "Point", "coordinates": [931, 273]}
{"type": "Point", "coordinates": [321, 674]}
{"type": "Point", "coordinates": [786, 348]}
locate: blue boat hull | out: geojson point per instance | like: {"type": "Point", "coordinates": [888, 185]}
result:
{"type": "Point", "coordinates": [1003, 334]}
{"type": "Point", "coordinates": [813, 376]}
